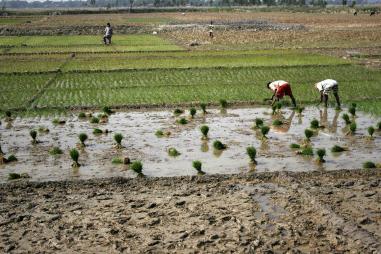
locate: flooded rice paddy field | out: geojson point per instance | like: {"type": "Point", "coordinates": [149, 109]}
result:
{"type": "Point", "coordinates": [233, 128]}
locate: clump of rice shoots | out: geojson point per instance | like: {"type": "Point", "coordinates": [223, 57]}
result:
{"type": "Point", "coordinates": [11, 158]}
{"type": "Point", "coordinates": [8, 114]}
{"type": "Point", "coordinates": [33, 134]}
{"type": "Point", "coordinates": [58, 121]}
{"type": "Point", "coordinates": [352, 128]}
{"type": "Point", "coordinates": [338, 108]}
{"type": "Point", "coordinates": [308, 133]}
{"type": "Point", "coordinates": [314, 124]}
{"type": "Point", "coordinates": [369, 164]}
{"type": "Point", "coordinates": [178, 112]}
{"type": "Point", "coordinates": [42, 129]}
{"type": "Point", "coordinates": [159, 133]}
{"type": "Point", "coordinates": [74, 154]}
{"type": "Point", "coordinates": [354, 105]}
{"type": "Point", "coordinates": [223, 103]}
{"type": "Point", "coordinates": [118, 139]}
{"type": "Point", "coordinates": [173, 152]}
{"type": "Point", "coordinates": [295, 146]}
{"type": "Point", "coordinates": [371, 131]}
{"type": "Point", "coordinates": [81, 115]}
{"type": "Point", "coordinates": [94, 120]}
{"type": "Point", "coordinates": [379, 126]}
{"type": "Point", "coordinates": [306, 151]}
{"type": "Point", "coordinates": [197, 165]}
{"type": "Point", "coordinates": [338, 149]}
{"type": "Point", "coordinates": [352, 111]}
{"type": "Point", "coordinates": [252, 153]}
{"type": "Point", "coordinates": [97, 131]}
{"type": "Point", "coordinates": [346, 119]}
{"type": "Point", "coordinates": [203, 107]}
{"type": "Point", "coordinates": [182, 121]}
{"type": "Point", "coordinates": [107, 110]}
{"type": "Point", "coordinates": [299, 110]}
{"type": "Point", "coordinates": [82, 138]}
{"type": "Point", "coordinates": [218, 145]}
{"type": "Point", "coordinates": [277, 122]}
{"type": "Point", "coordinates": [117, 161]}
{"type": "Point", "coordinates": [137, 166]}
{"type": "Point", "coordinates": [321, 153]}
{"type": "Point", "coordinates": [265, 130]}
{"type": "Point", "coordinates": [192, 112]}
{"type": "Point", "coordinates": [204, 130]}
{"type": "Point", "coordinates": [55, 151]}
{"type": "Point", "coordinates": [13, 176]}
{"type": "Point", "coordinates": [258, 123]}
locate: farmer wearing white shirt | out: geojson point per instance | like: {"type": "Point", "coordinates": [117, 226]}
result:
{"type": "Point", "coordinates": [325, 87]}
{"type": "Point", "coordinates": [108, 34]}
{"type": "Point", "coordinates": [280, 89]}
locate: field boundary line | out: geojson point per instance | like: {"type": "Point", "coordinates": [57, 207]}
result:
{"type": "Point", "coordinates": [91, 52]}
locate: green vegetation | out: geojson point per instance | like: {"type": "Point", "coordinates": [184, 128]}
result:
{"type": "Point", "coordinates": [82, 138]}
{"type": "Point", "coordinates": [204, 130]}
{"type": "Point", "coordinates": [11, 158]}
{"type": "Point", "coordinates": [369, 164]}
{"type": "Point", "coordinates": [81, 115]}
{"type": "Point", "coordinates": [173, 152]}
{"type": "Point", "coordinates": [352, 110]}
{"type": "Point", "coordinates": [203, 107]}
{"type": "Point", "coordinates": [346, 119]}
{"type": "Point", "coordinates": [118, 139]}
{"type": "Point", "coordinates": [308, 133]}
{"type": "Point", "coordinates": [107, 110]}
{"type": "Point", "coordinates": [337, 149]}
{"type": "Point", "coordinates": [307, 151]}
{"type": "Point", "coordinates": [117, 161]}
{"type": "Point", "coordinates": [178, 112]}
{"type": "Point", "coordinates": [265, 130]}
{"type": "Point", "coordinates": [94, 120]}
{"type": "Point", "coordinates": [182, 121]}
{"type": "Point", "coordinates": [97, 131]}
{"type": "Point", "coordinates": [314, 124]}
{"type": "Point", "coordinates": [223, 103]}
{"type": "Point", "coordinates": [252, 153]}
{"type": "Point", "coordinates": [13, 176]}
{"type": "Point", "coordinates": [371, 131]}
{"type": "Point", "coordinates": [295, 146]}
{"type": "Point", "coordinates": [159, 133]}
{"type": "Point", "coordinates": [258, 123]}
{"type": "Point", "coordinates": [192, 112]}
{"type": "Point", "coordinates": [379, 125]}
{"type": "Point", "coordinates": [218, 145]}
{"type": "Point", "coordinates": [137, 166]}
{"type": "Point", "coordinates": [197, 165]}
{"type": "Point", "coordinates": [277, 122]}
{"type": "Point", "coordinates": [299, 110]}
{"type": "Point", "coordinates": [55, 151]}
{"type": "Point", "coordinates": [74, 154]}
{"type": "Point", "coordinates": [352, 128]}
{"type": "Point", "coordinates": [33, 134]}
{"type": "Point", "coordinates": [321, 153]}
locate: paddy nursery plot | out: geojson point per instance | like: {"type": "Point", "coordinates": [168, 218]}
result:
{"type": "Point", "coordinates": [126, 137]}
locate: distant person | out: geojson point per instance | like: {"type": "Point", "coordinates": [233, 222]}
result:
{"type": "Point", "coordinates": [280, 88]}
{"type": "Point", "coordinates": [372, 13]}
{"type": "Point", "coordinates": [108, 34]}
{"type": "Point", "coordinates": [325, 87]}
{"type": "Point", "coordinates": [355, 13]}
{"type": "Point", "coordinates": [211, 35]}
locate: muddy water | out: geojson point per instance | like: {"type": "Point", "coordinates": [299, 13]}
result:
{"type": "Point", "coordinates": [140, 143]}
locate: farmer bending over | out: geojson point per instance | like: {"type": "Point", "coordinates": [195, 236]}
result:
{"type": "Point", "coordinates": [108, 34]}
{"type": "Point", "coordinates": [280, 89]}
{"type": "Point", "coordinates": [325, 87]}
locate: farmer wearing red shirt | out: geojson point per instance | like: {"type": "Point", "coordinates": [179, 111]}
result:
{"type": "Point", "coordinates": [280, 89]}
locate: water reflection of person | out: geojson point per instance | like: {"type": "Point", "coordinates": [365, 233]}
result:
{"type": "Point", "coordinates": [332, 128]}
{"type": "Point", "coordinates": [285, 127]}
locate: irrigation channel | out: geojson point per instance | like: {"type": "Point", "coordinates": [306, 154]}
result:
{"type": "Point", "coordinates": [233, 127]}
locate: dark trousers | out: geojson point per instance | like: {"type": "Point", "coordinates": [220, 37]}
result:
{"type": "Point", "coordinates": [107, 38]}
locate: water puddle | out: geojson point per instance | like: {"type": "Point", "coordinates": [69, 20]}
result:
{"type": "Point", "coordinates": [233, 128]}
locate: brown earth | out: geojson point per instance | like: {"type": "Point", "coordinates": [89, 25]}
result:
{"type": "Point", "coordinates": [316, 212]}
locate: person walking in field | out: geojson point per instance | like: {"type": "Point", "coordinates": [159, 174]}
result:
{"type": "Point", "coordinates": [325, 87]}
{"type": "Point", "coordinates": [280, 88]}
{"type": "Point", "coordinates": [108, 34]}
{"type": "Point", "coordinates": [211, 35]}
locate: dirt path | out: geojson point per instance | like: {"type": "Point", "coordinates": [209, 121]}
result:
{"type": "Point", "coordinates": [335, 212]}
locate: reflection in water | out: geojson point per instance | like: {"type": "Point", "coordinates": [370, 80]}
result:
{"type": "Point", "coordinates": [217, 153]}
{"type": "Point", "coordinates": [204, 146]}
{"type": "Point", "coordinates": [332, 128]}
{"type": "Point", "coordinates": [285, 127]}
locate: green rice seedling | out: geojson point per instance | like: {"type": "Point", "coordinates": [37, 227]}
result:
{"type": "Point", "coordinates": [178, 112]}
{"type": "Point", "coordinates": [55, 151]}
{"type": "Point", "coordinates": [97, 131]}
{"type": "Point", "coordinates": [368, 164]}
{"type": "Point", "coordinates": [314, 124]}
{"type": "Point", "coordinates": [352, 110]}
{"type": "Point", "coordinates": [223, 103]}
{"type": "Point", "coordinates": [307, 151]}
{"type": "Point", "coordinates": [295, 146]}
{"type": "Point", "coordinates": [352, 128]}
{"type": "Point", "coordinates": [107, 110]}
{"type": "Point", "coordinates": [117, 161]}
{"type": "Point", "coordinates": [94, 120]}
{"type": "Point", "coordinates": [203, 107]}
{"type": "Point", "coordinates": [278, 105]}
{"type": "Point", "coordinates": [299, 110]}
{"type": "Point", "coordinates": [159, 133]}
{"type": "Point", "coordinates": [204, 130]}
{"type": "Point", "coordinates": [273, 107]}
{"type": "Point", "coordinates": [1, 151]}
{"type": "Point", "coordinates": [197, 165]}
{"type": "Point", "coordinates": [81, 115]}
{"type": "Point", "coordinates": [371, 131]}
{"type": "Point", "coordinates": [33, 134]}
{"type": "Point", "coordinates": [137, 166]}
{"type": "Point", "coordinates": [338, 149]}
{"type": "Point", "coordinates": [308, 133]}
{"type": "Point", "coordinates": [346, 119]}
{"type": "Point", "coordinates": [11, 158]}
{"type": "Point", "coordinates": [258, 123]}
{"type": "Point", "coordinates": [252, 153]}
{"type": "Point", "coordinates": [182, 121]}
{"type": "Point", "coordinates": [43, 130]}
{"type": "Point", "coordinates": [118, 139]}
{"type": "Point", "coordinates": [218, 145]}
{"type": "Point", "coordinates": [277, 122]}
{"type": "Point", "coordinates": [379, 125]}
{"type": "Point", "coordinates": [354, 105]}
{"type": "Point", "coordinates": [74, 154]}
{"type": "Point", "coordinates": [8, 114]}
{"type": "Point", "coordinates": [83, 137]}
{"type": "Point", "coordinates": [265, 130]}
{"type": "Point", "coordinates": [192, 112]}
{"type": "Point", "coordinates": [58, 121]}
{"type": "Point", "coordinates": [103, 117]}
{"type": "Point", "coordinates": [13, 176]}
{"type": "Point", "coordinates": [321, 153]}
{"type": "Point", "coordinates": [173, 152]}
{"type": "Point", "coordinates": [338, 108]}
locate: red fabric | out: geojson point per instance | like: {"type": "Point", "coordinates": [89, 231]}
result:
{"type": "Point", "coordinates": [283, 90]}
